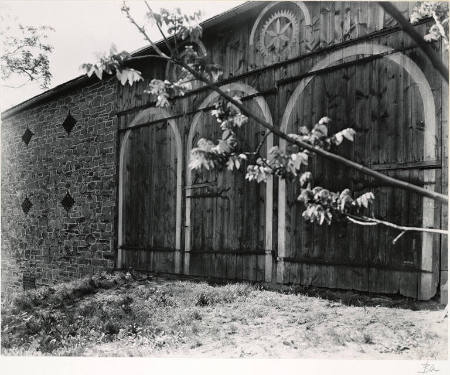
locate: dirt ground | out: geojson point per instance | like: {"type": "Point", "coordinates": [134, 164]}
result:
{"type": "Point", "coordinates": [163, 318]}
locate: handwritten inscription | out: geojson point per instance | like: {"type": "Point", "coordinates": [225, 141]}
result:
{"type": "Point", "coordinates": [427, 368]}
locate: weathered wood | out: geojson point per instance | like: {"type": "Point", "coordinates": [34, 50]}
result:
{"type": "Point", "coordinates": [225, 226]}
{"type": "Point", "coordinates": [385, 73]}
{"type": "Point", "coordinates": [388, 99]}
{"type": "Point", "coordinates": [444, 182]}
{"type": "Point", "coordinates": [150, 202]}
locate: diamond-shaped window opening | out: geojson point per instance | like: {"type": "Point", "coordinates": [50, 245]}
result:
{"type": "Point", "coordinates": [67, 202]}
{"type": "Point", "coordinates": [69, 123]}
{"type": "Point", "coordinates": [26, 137]}
{"type": "Point", "coordinates": [26, 205]}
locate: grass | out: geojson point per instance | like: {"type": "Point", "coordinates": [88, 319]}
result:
{"type": "Point", "coordinates": [116, 315]}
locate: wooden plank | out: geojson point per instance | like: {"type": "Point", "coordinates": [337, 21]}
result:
{"type": "Point", "coordinates": [409, 281]}
{"type": "Point", "coordinates": [394, 254]}
{"type": "Point", "coordinates": [215, 229]}
{"type": "Point", "coordinates": [444, 184]}
{"type": "Point", "coordinates": [325, 14]}
{"type": "Point", "coordinates": [428, 281]}
{"type": "Point", "coordinates": [143, 196]}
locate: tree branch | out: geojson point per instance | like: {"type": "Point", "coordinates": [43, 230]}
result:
{"type": "Point", "coordinates": [370, 221]}
{"type": "Point", "coordinates": [159, 28]}
{"type": "Point", "coordinates": [398, 237]}
{"type": "Point", "coordinates": [258, 148]}
{"type": "Point", "coordinates": [326, 154]}
{"type": "Point", "coordinates": [141, 29]}
{"type": "Point", "coordinates": [411, 31]}
{"type": "Point", "coordinates": [30, 75]}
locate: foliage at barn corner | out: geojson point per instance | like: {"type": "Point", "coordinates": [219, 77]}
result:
{"type": "Point", "coordinates": [439, 11]}
{"type": "Point", "coordinates": [321, 204]}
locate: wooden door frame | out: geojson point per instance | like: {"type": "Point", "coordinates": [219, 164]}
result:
{"type": "Point", "coordinates": [247, 90]}
{"type": "Point", "coordinates": [140, 118]}
{"type": "Point", "coordinates": [427, 282]}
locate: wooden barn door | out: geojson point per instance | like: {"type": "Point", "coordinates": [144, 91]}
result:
{"type": "Point", "coordinates": [226, 215]}
{"type": "Point", "coordinates": [383, 103]}
{"type": "Point", "coordinates": [150, 195]}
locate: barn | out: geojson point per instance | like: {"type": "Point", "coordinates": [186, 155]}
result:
{"type": "Point", "coordinates": [95, 176]}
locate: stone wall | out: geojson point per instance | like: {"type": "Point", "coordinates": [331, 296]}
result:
{"type": "Point", "coordinates": [55, 241]}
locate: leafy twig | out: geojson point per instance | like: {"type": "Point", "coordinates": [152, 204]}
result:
{"type": "Point", "coordinates": [166, 41]}
{"type": "Point", "coordinates": [141, 29]}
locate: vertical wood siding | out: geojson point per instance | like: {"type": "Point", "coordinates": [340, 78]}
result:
{"type": "Point", "coordinates": [397, 132]}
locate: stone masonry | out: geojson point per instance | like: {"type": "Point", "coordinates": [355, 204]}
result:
{"type": "Point", "coordinates": [51, 242]}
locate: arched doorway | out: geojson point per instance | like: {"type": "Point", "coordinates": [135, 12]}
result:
{"type": "Point", "coordinates": [150, 185]}
{"type": "Point", "coordinates": [228, 220]}
{"type": "Point", "coordinates": [386, 86]}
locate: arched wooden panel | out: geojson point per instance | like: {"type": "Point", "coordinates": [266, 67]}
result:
{"type": "Point", "coordinates": [150, 185]}
{"type": "Point", "coordinates": [391, 105]}
{"type": "Point", "coordinates": [228, 220]}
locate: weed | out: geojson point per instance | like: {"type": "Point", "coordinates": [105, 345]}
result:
{"type": "Point", "coordinates": [195, 329]}
{"type": "Point", "coordinates": [196, 315]}
{"type": "Point", "coordinates": [368, 339]}
{"type": "Point", "coordinates": [111, 327]}
{"type": "Point", "coordinates": [138, 317]}
{"type": "Point", "coordinates": [196, 344]}
{"type": "Point", "coordinates": [226, 294]}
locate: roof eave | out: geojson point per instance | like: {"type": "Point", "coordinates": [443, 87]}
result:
{"type": "Point", "coordinates": [83, 79]}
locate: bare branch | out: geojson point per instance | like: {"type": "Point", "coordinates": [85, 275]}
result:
{"type": "Point", "coordinates": [371, 221]}
{"type": "Point", "coordinates": [258, 148]}
{"type": "Point", "coordinates": [353, 220]}
{"type": "Point", "coordinates": [398, 237]}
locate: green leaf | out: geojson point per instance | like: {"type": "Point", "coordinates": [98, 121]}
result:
{"type": "Point", "coordinates": [222, 147]}
{"type": "Point", "coordinates": [305, 196]}
{"type": "Point", "coordinates": [322, 217]}
{"type": "Point", "coordinates": [324, 120]}
{"type": "Point", "coordinates": [303, 130]}
{"type": "Point", "coordinates": [324, 196]}
{"type": "Point", "coordinates": [230, 164]}
{"type": "Point", "coordinates": [365, 200]}
{"type": "Point", "coordinates": [162, 101]}
{"type": "Point", "coordinates": [98, 72]}
{"type": "Point", "coordinates": [205, 144]}
{"type": "Point", "coordinates": [345, 192]}
{"type": "Point", "coordinates": [305, 178]}
{"type": "Point", "coordinates": [348, 133]}
{"type": "Point", "coordinates": [338, 138]}
{"type": "Point", "coordinates": [345, 201]}
{"type": "Point", "coordinates": [321, 129]}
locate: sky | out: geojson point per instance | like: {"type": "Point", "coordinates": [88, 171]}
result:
{"type": "Point", "coordinates": [84, 29]}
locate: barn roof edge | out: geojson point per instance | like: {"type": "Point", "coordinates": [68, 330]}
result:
{"type": "Point", "coordinates": [84, 79]}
